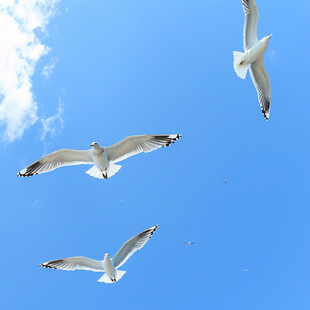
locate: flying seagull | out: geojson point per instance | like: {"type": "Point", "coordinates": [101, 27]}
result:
{"type": "Point", "coordinates": [107, 265]}
{"type": "Point", "coordinates": [189, 243]}
{"type": "Point", "coordinates": [253, 57]}
{"type": "Point", "coordinates": [103, 158]}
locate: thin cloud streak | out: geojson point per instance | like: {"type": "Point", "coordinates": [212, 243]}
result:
{"type": "Point", "coordinates": [48, 69]}
{"type": "Point", "coordinates": [55, 123]}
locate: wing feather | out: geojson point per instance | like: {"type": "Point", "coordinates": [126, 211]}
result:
{"type": "Point", "coordinates": [55, 160]}
{"type": "Point", "coordinates": [131, 246]}
{"type": "Point", "coordinates": [74, 263]}
{"type": "Point", "coordinates": [261, 82]}
{"type": "Point", "coordinates": [250, 23]}
{"type": "Point", "coordinates": [137, 144]}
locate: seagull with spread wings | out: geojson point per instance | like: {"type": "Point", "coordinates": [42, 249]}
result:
{"type": "Point", "coordinates": [103, 158]}
{"type": "Point", "coordinates": [253, 58]}
{"type": "Point", "coordinates": [189, 243]}
{"type": "Point", "coordinates": [107, 265]}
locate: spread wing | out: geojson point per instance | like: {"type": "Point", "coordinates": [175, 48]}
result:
{"type": "Point", "coordinates": [131, 246]}
{"type": "Point", "coordinates": [55, 160]}
{"type": "Point", "coordinates": [250, 23]}
{"type": "Point", "coordinates": [74, 263]}
{"type": "Point", "coordinates": [261, 82]}
{"type": "Point", "coordinates": [137, 144]}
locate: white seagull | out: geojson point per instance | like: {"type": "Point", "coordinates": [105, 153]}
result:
{"type": "Point", "coordinates": [189, 243]}
{"type": "Point", "coordinates": [103, 158]}
{"type": "Point", "coordinates": [254, 57]}
{"type": "Point", "coordinates": [107, 265]}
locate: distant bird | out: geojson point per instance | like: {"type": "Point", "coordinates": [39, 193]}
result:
{"type": "Point", "coordinates": [108, 265]}
{"type": "Point", "coordinates": [103, 158]}
{"type": "Point", "coordinates": [245, 270]}
{"type": "Point", "coordinates": [225, 181]}
{"type": "Point", "coordinates": [189, 243]}
{"type": "Point", "coordinates": [254, 57]}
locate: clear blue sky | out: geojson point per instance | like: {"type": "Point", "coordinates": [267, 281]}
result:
{"type": "Point", "coordinates": [152, 67]}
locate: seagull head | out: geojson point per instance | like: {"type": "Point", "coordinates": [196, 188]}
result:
{"type": "Point", "coordinates": [95, 145]}
{"type": "Point", "coordinates": [107, 255]}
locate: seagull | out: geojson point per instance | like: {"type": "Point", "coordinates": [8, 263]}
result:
{"type": "Point", "coordinates": [253, 58]}
{"type": "Point", "coordinates": [189, 243]}
{"type": "Point", "coordinates": [107, 265]}
{"type": "Point", "coordinates": [224, 180]}
{"type": "Point", "coordinates": [103, 158]}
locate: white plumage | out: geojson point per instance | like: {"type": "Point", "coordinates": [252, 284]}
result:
{"type": "Point", "coordinates": [109, 266]}
{"type": "Point", "coordinates": [253, 58]}
{"type": "Point", "coordinates": [103, 158]}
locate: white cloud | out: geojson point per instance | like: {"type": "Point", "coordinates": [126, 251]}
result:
{"type": "Point", "coordinates": [272, 54]}
{"type": "Point", "coordinates": [48, 69]}
{"type": "Point", "coordinates": [21, 49]}
{"type": "Point", "coordinates": [53, 124]}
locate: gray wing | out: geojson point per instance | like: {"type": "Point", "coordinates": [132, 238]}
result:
{"type": "Point", "coordinates": [131, 246]}
{"type": "Point", "coordinates": [57, 159]}
{"type": "Point", "coordinates": [250, 23]}
{"type": "Point", "coordinates": [74, 263]}
{"type": "Point", "coordinates": [261, 82]}
{"type": "Point", "coordinates": [137, 144]}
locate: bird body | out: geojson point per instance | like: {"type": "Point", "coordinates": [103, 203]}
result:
{"type": "Point", "coordinates": [253, 57]}
{"type": "Point", "coordinates": [107, 265]}
{"type": "Point", "coordinates": [99, 156]}
{"type": "Point", "coordinates": [255, 52]}
{"type": "Point", "coordinates": [100, 160]}
{"type": "Point", "coordinates": [189, 243]}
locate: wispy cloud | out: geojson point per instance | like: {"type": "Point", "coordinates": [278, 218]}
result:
{"type": "Point", "coordinates": [21, 49]}
{"type": "Point", "coordinates": [48, 69]}
{"type": "Point", "coordinates": [272, 54]}
{"type": "Point", "coordinates": [55, 123]}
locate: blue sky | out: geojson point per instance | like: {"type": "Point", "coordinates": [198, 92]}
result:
{"type": "Point", "coordinates": [121, 68]}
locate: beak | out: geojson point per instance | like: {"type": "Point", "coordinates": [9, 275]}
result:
{"type": "Point", "coordinates": [92, 144]}
{"type": "Point", "coordinates": [270, 36]}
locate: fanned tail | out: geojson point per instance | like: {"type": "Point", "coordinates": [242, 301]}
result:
{"type": "Point", "coordinates": [112, 169]}
{"type": "Point", "coordinates": [107, 173]}
{"type": "Point", "coordinates": [240, 69]}
{"type": "Point", "coordinates": [118, 275]}
{"type": "Point", "coordinates": [95, 172]}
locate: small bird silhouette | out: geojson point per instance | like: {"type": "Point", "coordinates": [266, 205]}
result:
{"type": "Point", "coordinates": [224, 180]}
{"type": "Point", "coordinates": [189, 243]}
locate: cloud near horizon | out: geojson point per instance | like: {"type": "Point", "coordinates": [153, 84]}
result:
{"type": "Point", "coordinates": [21, 49]}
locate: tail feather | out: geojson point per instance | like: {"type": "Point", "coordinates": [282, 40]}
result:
{"type": "Point", "coordinates": [95, 172]}
{"type": "Point", "coordinates": [107, 173]}
{"type": "Point", "coordinates": [240, 69]}
{"type": "Point", "coordinates": [118, 275]}
{"type": "Point", "coordinates": [112, 169]}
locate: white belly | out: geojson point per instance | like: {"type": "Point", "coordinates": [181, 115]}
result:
{"type": "Point", "coordinates": [100, 160]}
{"type": "Point", "coordinates": [254, 52]}
{"type": "Point", "coordinates": [109, 267]}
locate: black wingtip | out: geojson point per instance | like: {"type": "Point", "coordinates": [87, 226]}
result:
{"type": "Point", "coordinates": [47, 266]}
{"type": "Point", "coordinates": [30, 170]}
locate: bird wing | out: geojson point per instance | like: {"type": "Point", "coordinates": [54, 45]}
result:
{"type": "Point", "coordinates": [261, 82]}
{"type": "Point", "coordinates": [74, 263]}
{"type": "Point", "coordinates": [136, 144]}
{"type": "Point", "coordinates": [131, 246]}
{"type": "Point", "coordinates": [57, 159]}
{"type": "Point", "coordinates": [250, 23]}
